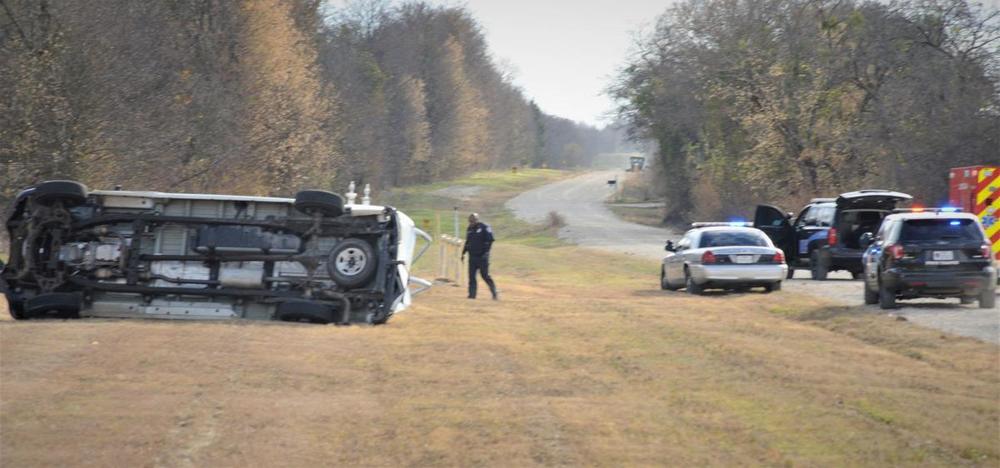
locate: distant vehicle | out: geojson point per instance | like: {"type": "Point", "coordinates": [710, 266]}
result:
{"type": "Point", "coordinates": [929, 253]}
{"type": "Point", "coordinates": [636, 163]}
{"type": "Point", "coordinates": [825, 236]}
{"type": "Point", "coordinates": [77, 253]}
{"type": "Point", "coordinates": [976, 190]}
{"type": "Point", "coordinates": [722, 256]}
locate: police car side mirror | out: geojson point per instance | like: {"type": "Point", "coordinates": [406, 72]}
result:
{"type": "Point", "coordinates": [670, 247]}
{"type": "Point", "coordinates": [867, 239]}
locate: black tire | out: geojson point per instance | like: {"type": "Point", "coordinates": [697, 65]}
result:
{"type": "Point", "coordinates": [322, 202]}
{"type": "Point", "coordinates": [988, 299]}
{"type": "Point", "coordinates": [53, 305]}
{"type": "Point", "coordinates": [68, 192]}
{"type": "Point", "coordinates": [857, 275]}
{"type": "Point", "coordinates": [15, 307]}
{"type": "Point", "coordinates": [772, 287]}
{"type": "Point", "coordinates": [352, 263]}
{"type": "Point", "coordinates": [967, 299]}
{"type": "Point", "coordinates": [886, 298]}
{"type": "Point", "coordinates": [818, 267]}
{"type": "Point", "coordinates": [663, 280]}
{"type": "Point", "coordinates": [304, 311]}
{"type": "Point", "coordinates": [871, 297]}
{"type": "Point", "coordinates": [692, 287]}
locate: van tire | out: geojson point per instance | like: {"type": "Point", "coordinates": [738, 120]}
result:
{"type": "Point", "coordinates": [304, 311]}
{"type": "Point", "coordinates": [352, 263]}
{"type": "Point", "coordinates": [69, 192]}
{"type": "Point", "coordinates": [54, 305]}
{"type": "Point", "coordinates": [313, 202]}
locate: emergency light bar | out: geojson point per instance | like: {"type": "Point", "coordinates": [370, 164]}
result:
{"type": "Point", "coordinates": [719, 223]}
{"type": "Point", "coordinates": [945, 209]}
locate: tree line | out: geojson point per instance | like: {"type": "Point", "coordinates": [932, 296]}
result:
{"type": "Point", "coordinates": [262, 97]}
{"type": "Point", "coordinates": [783, 100]}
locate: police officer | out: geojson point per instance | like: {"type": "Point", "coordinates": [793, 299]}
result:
{"type": "Point", "coordinates": [478, 240]}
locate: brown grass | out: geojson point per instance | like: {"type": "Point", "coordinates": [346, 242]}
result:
{"type": "Point", "coordinates": [584, 362]}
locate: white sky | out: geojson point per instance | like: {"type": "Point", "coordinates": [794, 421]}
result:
{"type": "Point", "coordinates": [563, 53]}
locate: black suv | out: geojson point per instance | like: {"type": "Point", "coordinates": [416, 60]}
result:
{"type": "Point", "coordinates": [934, 253]}
{"type": "Point", "coordinates": [826, 234]}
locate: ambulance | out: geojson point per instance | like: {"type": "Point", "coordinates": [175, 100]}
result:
{"type": "Point", "coordinates": [976, 189]}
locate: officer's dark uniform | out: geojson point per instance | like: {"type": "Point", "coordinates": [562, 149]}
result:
{"type": "Point", "coordinates": [478, 241]}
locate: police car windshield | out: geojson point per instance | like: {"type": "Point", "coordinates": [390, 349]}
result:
{"type": "Point", "coordinates": [731, 239]}
{"type": "Point", "coordinates": [929, 230]}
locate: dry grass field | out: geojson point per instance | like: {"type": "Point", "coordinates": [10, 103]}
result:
{"type": "Point", "coordinates": [583, 362]}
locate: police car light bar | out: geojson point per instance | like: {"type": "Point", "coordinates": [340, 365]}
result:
{"type": "Point", "coordinates": [719, 223]}
{"type": "Point", "coordinates": [944, 209]}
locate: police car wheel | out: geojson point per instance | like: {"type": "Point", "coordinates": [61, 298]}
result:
{"type": "Point", "coordinates": [692, 287]}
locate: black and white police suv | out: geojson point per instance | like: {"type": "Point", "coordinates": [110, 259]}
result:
{"type": "Point", "coordinates": [116, 253]}
{"type": "Point", "coordinates": [935, 253]}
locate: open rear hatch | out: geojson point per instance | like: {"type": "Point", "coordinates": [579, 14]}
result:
{"type": "Point", "coordinates": [871, 199]}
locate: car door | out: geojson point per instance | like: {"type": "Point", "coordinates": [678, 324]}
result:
{"type": "Point", "coordinates": [775, 223]}
{"type": "Point", "coordinates": [675, 263]}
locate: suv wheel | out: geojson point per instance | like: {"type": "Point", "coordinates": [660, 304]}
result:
{"type": "Point", "coordinates": [988, 299]}
{"type": "Point", "coordinates": [692, 287]}
{"type": "Point", "coordinates": [818, 267]}
{"type": "Point", "coordinates": [871, 297]}
{"type": "Point", "coordinates": [886, 298]}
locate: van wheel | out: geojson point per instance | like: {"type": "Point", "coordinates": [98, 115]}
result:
{"type": "Point", "coordinates": [55, 305]}
{"type": "Point", "coordinates": [352, 263]}
{"type": "Point", "coordinates": [68, 192]}
{"type": "Point", "coordinates": [818, 267]}
{"type": "Point", "coordinates": [313, 202]}
{"type": "Point", "coordinates": [886, 298]}
{"type": "Point", "coordinates": [304, 311]}
{"type": "Point", "coordinates": [988, 299]}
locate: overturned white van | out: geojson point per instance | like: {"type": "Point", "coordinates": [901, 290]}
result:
{"type": "Point", "coordinates": [111, 253]}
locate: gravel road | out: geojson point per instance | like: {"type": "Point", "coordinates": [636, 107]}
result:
{"type": "Point", "coordinates": [580, 201]}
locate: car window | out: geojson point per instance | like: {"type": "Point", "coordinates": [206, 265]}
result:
{"type": "Point", "coordinates": [731, 238]}
{"type": "Point", "coordinates": [823, 215]}
{"type": "Point", "coordinates": [806, 217]}
{"type": "Point", "coordinates": [685, 242]}
{"type": "Point", "coordinates": [925, 230]}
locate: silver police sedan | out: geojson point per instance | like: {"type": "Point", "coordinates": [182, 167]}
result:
{"type": "Point", "coordinates": [723, 256]}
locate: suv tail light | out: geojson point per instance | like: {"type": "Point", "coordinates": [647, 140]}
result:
{"type": "Point", "coordinates": [831, 236]}
{"type": "Point", "coordinates": [984, 251]}
{"type": "Point", "coordinates": [779, 257]}
{"type": "Point", "coordinates": [708, 257]}
{"type": "Point", "coordinates": [896, 251]}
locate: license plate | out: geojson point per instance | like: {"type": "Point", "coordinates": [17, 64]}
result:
{"type": "Point", "coordinates": [943, 255]}
{"type": "Point", "coordinates": [743, 259]}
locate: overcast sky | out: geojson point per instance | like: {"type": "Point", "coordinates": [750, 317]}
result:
{"type": "Point", "coordinates": [563, 53]}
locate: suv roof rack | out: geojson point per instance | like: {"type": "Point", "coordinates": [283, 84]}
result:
{"type": "Point", "coordinates": [722, 223]}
